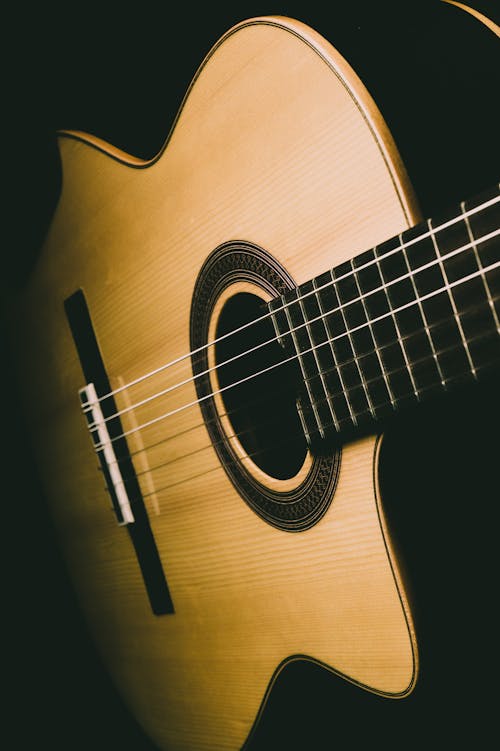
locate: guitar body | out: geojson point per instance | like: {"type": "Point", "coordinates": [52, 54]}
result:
{"type": "Point", "coordinates": [278, 146]}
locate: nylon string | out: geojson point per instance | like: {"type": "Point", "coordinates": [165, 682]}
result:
{"type": "Point", "coordinates": [291, 358]}
{"type": "Point", "coordinates": [322, 316]}
{"type": "Point", "coordinates": [427, 234]}
{"type": "Point", "coordinates": [282, 442]}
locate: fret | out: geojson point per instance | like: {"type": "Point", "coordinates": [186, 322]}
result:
{"type": "Point", "coordinates": [487, 341]}
{"type": "Point", "coordinates": [412, 267]}
{"type": "Point", "coordinates": [369, 357]}
{"type": "Point", "coordinates": [383, 327]}
{"type": "Point", "coordinates": [428, 279]}
{"type": "Point", "coordinates": [353, 316]}
{"type": "Point", "coordinates": [327, 366]}
{"type": "Point", "coordinates": [454, 268]}
{"type": "Point", "coordinates": [325, 405]}
{"type": "Point", "coordinates": [482, 338]}
{"type": "Point", "coordinates": [343, 352]}
{"type": "Point", "coordinates": [342, 406]}
{"type": "Point", "coordinates": [485, 221]}
{"type": "Point", "coordinates": [414, 315]}
{"type": "Point", "coordinates": [486, 252]}
{"type": "Point", "coordinates": [281, 322]}
{"type": "Point", "coordinates": [479, 262]}
{"type": "Point", "coordinates": [482, 225]}
{"type": "Point", "coordinates": [452, 245]}
{"type": "Point", "coordinates": [407, 318]}
{"type": "Point", "coordinates": [308, 360]}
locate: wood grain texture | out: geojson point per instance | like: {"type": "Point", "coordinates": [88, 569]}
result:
{"type": "Point", "coordinates": [276, 143]}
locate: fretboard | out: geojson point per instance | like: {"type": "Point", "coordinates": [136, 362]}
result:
{"type": "Point", "coordinates": [399, 323]}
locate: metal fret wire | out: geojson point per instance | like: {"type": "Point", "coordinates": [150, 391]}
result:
{"type": "Point", "coordinates": [419, 238]}
{"type": "Point", "coordinates": [87, 407]}
{"type": "Point", "coordinates": [164, 416]}
{"type": "Point", "coordinates": [292, 437]}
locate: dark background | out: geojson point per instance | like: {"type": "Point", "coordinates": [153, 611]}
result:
{"type": "Point", "coordinates": [120, 74]}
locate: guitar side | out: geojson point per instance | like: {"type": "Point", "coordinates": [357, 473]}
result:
{"type": "Point", "coordinates": [278, 144]}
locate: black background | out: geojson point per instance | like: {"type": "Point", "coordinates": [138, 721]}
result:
{"type": "Point", "coordinates": [120, 73]}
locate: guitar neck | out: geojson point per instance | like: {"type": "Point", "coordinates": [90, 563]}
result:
{"type": "Point", "coordinates": [417, 315]}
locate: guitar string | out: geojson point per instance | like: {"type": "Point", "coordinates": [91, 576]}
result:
{"type": "Point", "coordinates": [447, 287]}
{"type": "Point", "coordinates": [292, 436]}
{"type": "Point", "coordinates": [283, 442]}
{"type": "Point", "coordinates": [399, 247]}
{"type": "Point", "coordinates": [87, 407]}
{"type": "Point", "coordinates": [294, 357]}
{"type": "Point", "coordinates": [406, 339]}
{"type": "Point", "coordinates": [215, 419]}
{"type": "Point", "coordinates": [427, 234]}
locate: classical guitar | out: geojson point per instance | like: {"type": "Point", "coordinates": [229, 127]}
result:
{"type": "Point", "coordinates": [218, 349]}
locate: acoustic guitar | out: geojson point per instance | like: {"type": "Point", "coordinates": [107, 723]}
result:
{"type": "Point", "coordinates": [221, 334]}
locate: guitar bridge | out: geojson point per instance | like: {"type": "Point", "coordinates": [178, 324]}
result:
{"type": "Point", "coordinates": [111, 446]}
{"type": "Point", "coordinates": [104, 448]}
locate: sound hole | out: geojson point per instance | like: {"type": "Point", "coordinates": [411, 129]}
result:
{"type": "Point", "coordinates": [262, 409]}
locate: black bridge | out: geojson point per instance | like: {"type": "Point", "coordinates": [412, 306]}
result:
{"type": "Point", "coordinates": [137, 523]}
